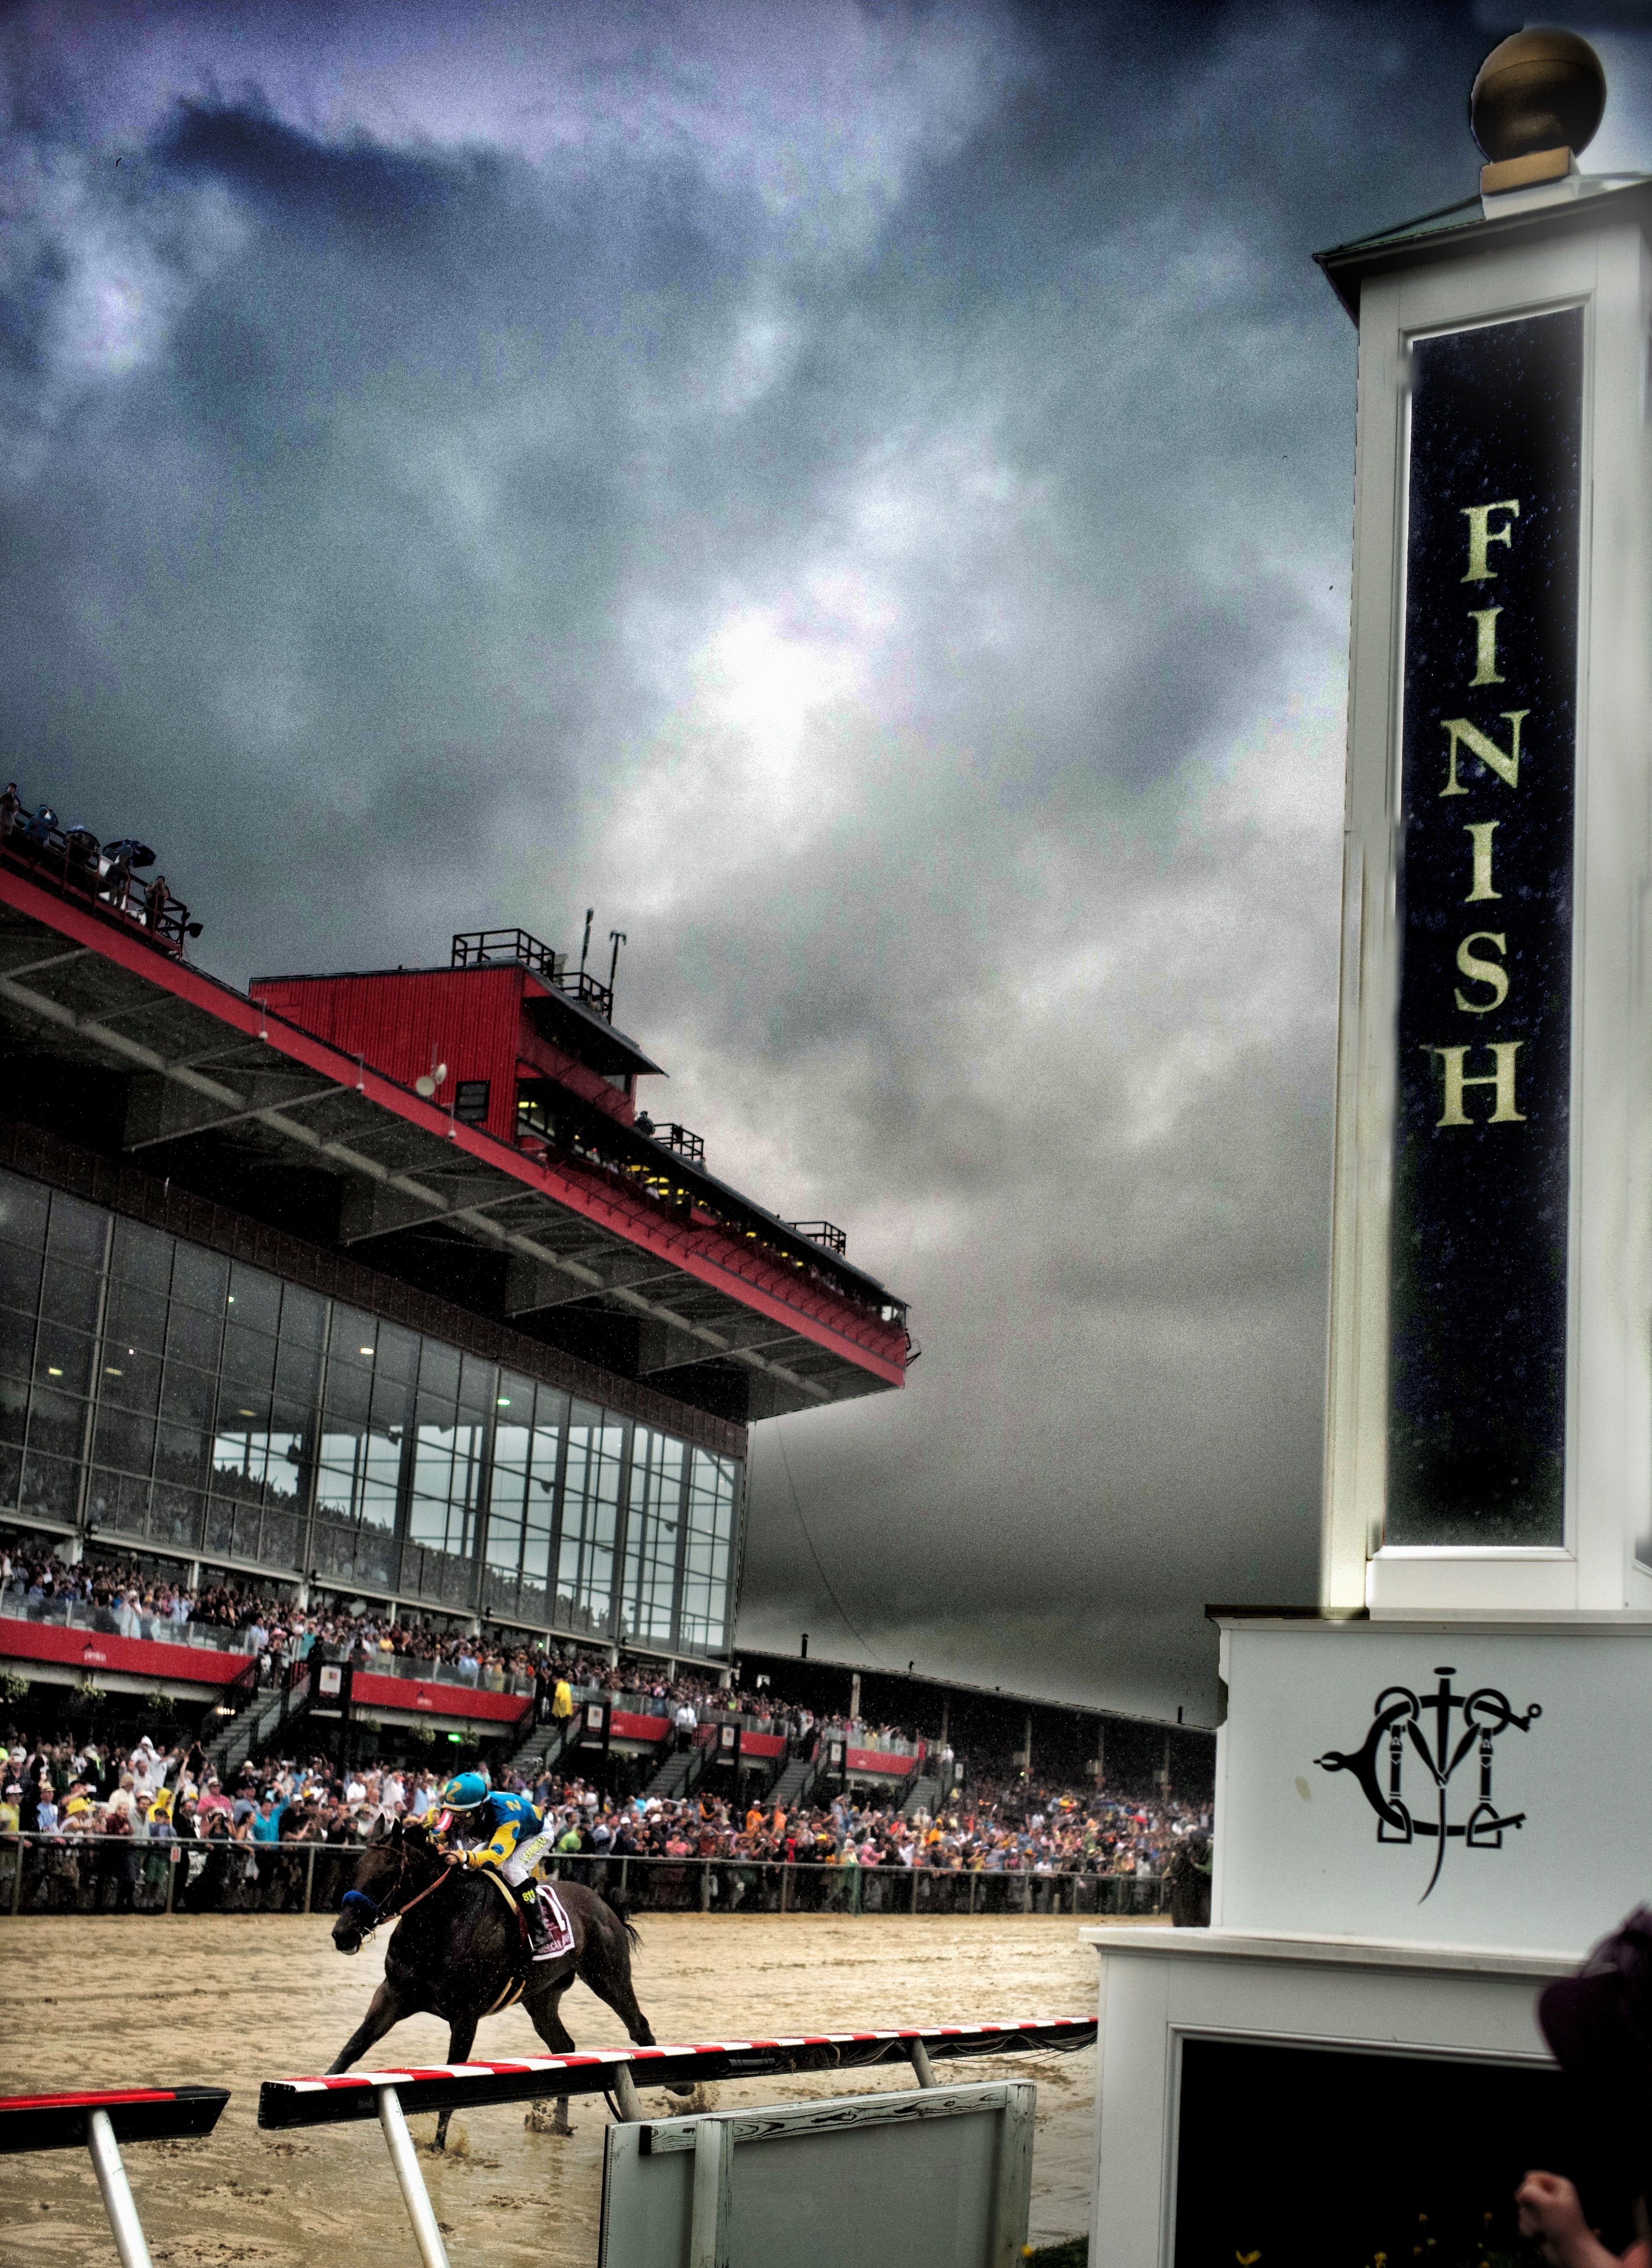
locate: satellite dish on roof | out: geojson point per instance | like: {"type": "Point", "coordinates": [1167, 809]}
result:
{"type": "Point", "coordinates": [427, 1083]}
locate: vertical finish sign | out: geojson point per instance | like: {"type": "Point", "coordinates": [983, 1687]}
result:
{"type": "Point", "coordinates": [1477, 1417]}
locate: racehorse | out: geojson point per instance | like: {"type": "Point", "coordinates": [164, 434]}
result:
{"type": "Point", "coordinates": [459, 1952]}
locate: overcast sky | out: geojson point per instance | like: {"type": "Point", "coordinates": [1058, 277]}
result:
{"type": "Point", "coordinates": [860, 495]}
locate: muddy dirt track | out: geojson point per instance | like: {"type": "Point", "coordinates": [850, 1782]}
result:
{"type": "Point", "coordinates": [229, 2000]}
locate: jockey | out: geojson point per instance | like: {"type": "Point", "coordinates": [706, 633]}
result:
{"type": "Point", "coordinates": [497, 1828]}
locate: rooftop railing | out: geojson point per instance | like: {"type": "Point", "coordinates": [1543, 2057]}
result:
{"type": "Point", "coordinates": [673, 1137]}
{"type": "Point", "coordinates": [493, 948]}
{"type": "Point", "coordinates": [72, 861]}
{"type": "Point", "coordinates": [823, 1232]}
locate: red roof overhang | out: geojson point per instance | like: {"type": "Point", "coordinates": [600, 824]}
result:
{"type": "Point", "coordinates": [55, 997]}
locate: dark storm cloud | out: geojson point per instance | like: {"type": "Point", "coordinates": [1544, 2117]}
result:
{"type": "Point", "coordinates": [862, 495]}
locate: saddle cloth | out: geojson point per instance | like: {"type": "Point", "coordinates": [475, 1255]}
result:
{"type": "Point", "coordinates": [556, 1922]}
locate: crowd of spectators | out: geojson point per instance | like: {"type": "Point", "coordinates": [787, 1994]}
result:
{"type": "Point", "coordinates": [116, 1821]}
{"type": "Point", "coordinates": [119, 1597]}
{"type": "Point", "coordinates": [119, 1822]}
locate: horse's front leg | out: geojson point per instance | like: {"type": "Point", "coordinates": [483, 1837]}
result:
{"type": "Point", "coordinates": [386, 2008]}
{"type": "Point", "coordinates": [462, 2037]}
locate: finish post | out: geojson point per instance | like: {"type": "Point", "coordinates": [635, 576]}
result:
{"type": "Point", "coordinates": [415, 2196]}
{"type": "Point", "coordinates": [117, 2195]}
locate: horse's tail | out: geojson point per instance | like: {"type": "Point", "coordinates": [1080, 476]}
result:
{"type": "Point", "coordinates": [619, 1905]}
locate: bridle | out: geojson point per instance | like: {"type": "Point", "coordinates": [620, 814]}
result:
{"type": "Point", "coordinates": [377, 1911]}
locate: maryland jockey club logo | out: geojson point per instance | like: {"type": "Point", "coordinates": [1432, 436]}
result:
{"type": "Point", "coordinates": [1398, 1722]}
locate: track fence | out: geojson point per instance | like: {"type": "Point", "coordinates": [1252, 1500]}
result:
{"type": "Point", "coordinates": [619, 2073]}
{"type": "Point", "coordinates": [119, 1873]}
{"type": "Point", "coordinates": [99, 2120]}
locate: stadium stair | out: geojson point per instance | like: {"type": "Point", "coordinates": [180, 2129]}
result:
{"type": "Point", "coordinates": [796, 1783]}
{"type": "Point", "coordinates": [926, 1793]}
{"type": "Point", "coordinates": [681, 1772]}
{"type": "Point", "coordinates": [670, 1782]}
{"type": "Point", "coordinates": [542, 1750]}
{"type": "Point", "coordinates": [270, 1712]}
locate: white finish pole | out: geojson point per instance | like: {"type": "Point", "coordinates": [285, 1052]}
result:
{"type": "Point", "coordinates": [415, 2196]}
{"type": "Point", "coordinates": [117, 2196]}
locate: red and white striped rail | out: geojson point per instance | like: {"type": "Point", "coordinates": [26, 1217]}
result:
{"type": "Point", "coordinates": [388, 2095]}
{"type": "Point", "coordinates": [100, 2119]}
{"type": "Point", "coordinates": [349, 2095]}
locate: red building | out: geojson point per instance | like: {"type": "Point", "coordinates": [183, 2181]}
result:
{"type": "Point", "coordinates": [381, 1281]}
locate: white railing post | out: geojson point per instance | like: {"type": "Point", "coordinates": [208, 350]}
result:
{"type": "Point", "coordinates": [415, 2196]}
{"type": "Point", "coordinates": [117, 2195]}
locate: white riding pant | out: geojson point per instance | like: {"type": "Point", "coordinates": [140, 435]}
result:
{"type": "Point", "coordinates": [522, 1861]}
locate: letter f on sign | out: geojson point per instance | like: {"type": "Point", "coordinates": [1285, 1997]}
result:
{"type": "Point", "coordinates": [1481, 532]}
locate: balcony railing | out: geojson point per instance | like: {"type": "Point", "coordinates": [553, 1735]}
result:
{"type": "Point", "coordinates": [596, 1142]}
{"type": "Point", "coordinates": [72, 861]}
{"type": "Point", "coordinates": [674, 1138]}
{"type": "Point", "coordinates": [824, 1232]}
{"type": "Point", "coordinates": [484, 948]}
{"type": "Point", "coordinates": [128, 1621]}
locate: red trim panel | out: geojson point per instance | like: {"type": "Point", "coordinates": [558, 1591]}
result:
{"type": "Point", "coordinates": [444, 1700]}
{"type": "Point", "coordinates": [190, 1665]}
{"type": "Point", "coordinates": [879, 1760]}
{"type": "Point", "coordinates": [625, 1726]}
{"type": "Point", "coordinates": [330, 2100]}
{"type": "Point", "coordinates": [198, 1665]}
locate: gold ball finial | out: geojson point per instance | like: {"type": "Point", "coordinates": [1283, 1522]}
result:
{"type": "Point", "coordinates": [1538, 91]}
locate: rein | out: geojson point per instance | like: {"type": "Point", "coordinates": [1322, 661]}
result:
{"type": "Point", "coordinates": [361, 1902]}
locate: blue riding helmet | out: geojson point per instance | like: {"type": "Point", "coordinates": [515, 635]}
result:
{"type": "Point", "coordinates": [468, 1792]}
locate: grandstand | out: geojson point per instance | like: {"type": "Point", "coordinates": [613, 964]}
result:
{"type": "Point", "coordinates": [382, 1286]}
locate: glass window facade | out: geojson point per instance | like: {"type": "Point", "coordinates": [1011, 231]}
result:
{"type": "Point", "coordinates": [708, 1562]}
{"type": "Point", "coordinates": [590, 1513]}
{"type": "Point", "coordinates": [170, 1398]}
{"type": "Point", "coordinates": [529, 1426]}
{"type": "Point", "coordinates": [653, 1530]}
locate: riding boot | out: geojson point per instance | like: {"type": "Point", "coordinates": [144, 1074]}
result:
{"type": "Point", "coordinates": [538, 1935]}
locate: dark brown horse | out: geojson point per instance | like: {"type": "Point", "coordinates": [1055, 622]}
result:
{"type": "Point", "coordinates": [458, 1952]}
